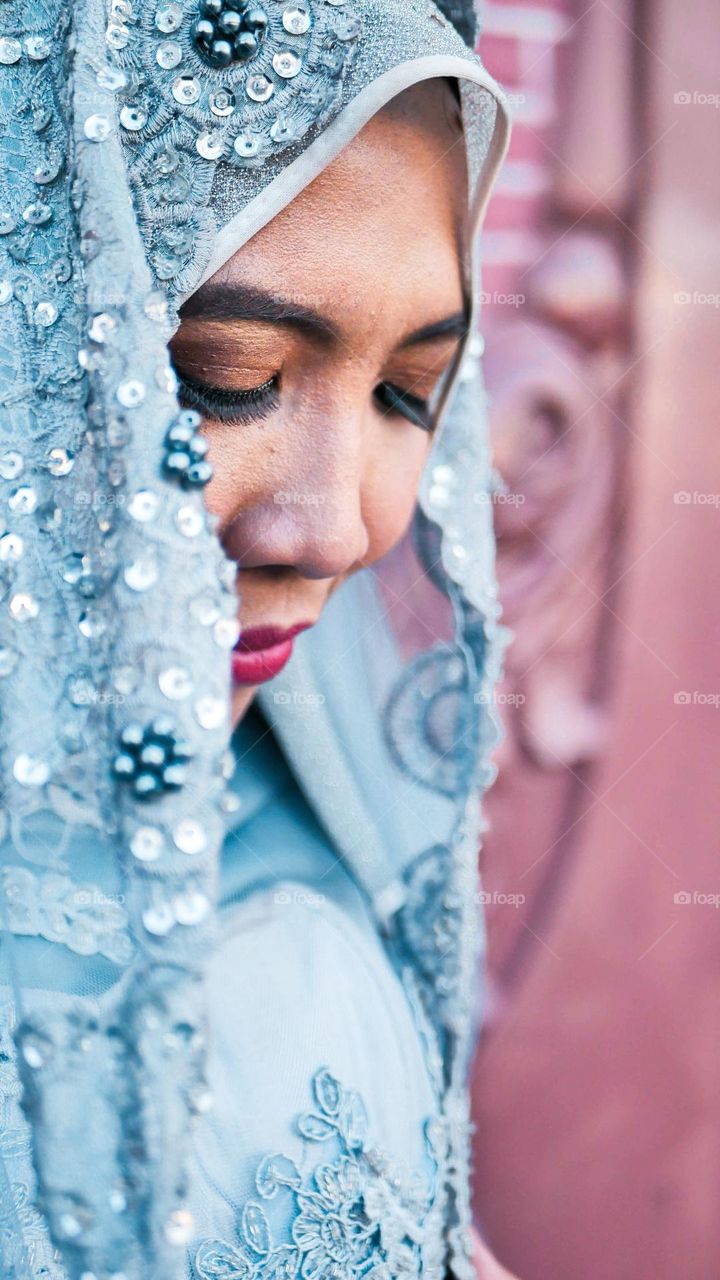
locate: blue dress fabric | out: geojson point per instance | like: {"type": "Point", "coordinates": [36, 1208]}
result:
{"type": "Point", "coordinates": [318, 1068]}
{"type": "Point", "coordinates": [345, 1103]}
{"type": "Point", "coordinates": [239, 975]}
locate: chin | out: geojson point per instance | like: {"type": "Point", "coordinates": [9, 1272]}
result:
{"type": "Point", "coordinates": [242, 700]}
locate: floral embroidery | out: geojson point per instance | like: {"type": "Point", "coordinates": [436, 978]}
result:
{"type": "Point", "coordinates": [358, 1216]}
{"type": "Point", "coordinates": [428, 721]}
{"type": "Point", "coordinates": [430, 924]}
{"type": "Point", "coordinates": [55, 907]}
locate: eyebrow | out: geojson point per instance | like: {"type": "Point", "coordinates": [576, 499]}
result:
{"type": "Point", "coordinates": [451, 327]}
{"type": "Point", "coordinates": [245, 302]}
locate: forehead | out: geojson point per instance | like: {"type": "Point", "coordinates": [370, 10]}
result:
{"type": "Point", "coordinates": [382, 228]}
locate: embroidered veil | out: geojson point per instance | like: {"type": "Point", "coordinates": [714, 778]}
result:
{"type": "Point", "coordinates": [143, 143]}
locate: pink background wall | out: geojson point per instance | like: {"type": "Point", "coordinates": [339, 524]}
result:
{"type": "Point", "coordinates": [596, 1083]}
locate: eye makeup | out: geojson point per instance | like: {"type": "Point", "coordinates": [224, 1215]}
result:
{"type": "Point", "coordinates": [265, 350]}
{"type": "Point", "coordinates": [254, 404]}
{"type": "Point", "coordinates": [234, 407]}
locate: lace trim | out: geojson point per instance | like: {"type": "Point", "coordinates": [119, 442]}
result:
{"type": "Point", "coordinates": [357, 1216]}
{"type": "Point", "coordinates": [25, 1245]}
{"type": "Point", "coordinates": [55, 907]}
{"type": "Point", "coordinates": [437, 931]}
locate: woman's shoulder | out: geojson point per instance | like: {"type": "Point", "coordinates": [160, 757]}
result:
{"type": "Point", "coordinates": [297, 979]}
{"type": "Point", "coordinates": [324, 1107]}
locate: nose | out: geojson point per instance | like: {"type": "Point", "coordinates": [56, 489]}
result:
{"type": "Point", "coordinates": [307, 512]}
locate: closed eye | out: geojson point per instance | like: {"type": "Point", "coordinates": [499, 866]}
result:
{"type": "Point", "coordinates": [231, 406]}
{"type": "Point", "coordinates": [393, 400]}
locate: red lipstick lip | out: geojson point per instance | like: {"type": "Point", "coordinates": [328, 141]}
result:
{"type": "Point", "coordinates": [258, 666]}
{"type": "Point", "coordinates": [261, 653]}
{"type": "Point", "coordinates": [257, 638]}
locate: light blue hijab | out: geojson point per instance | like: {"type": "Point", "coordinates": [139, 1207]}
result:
{"type": "Point", "coordinates": [148, 959]}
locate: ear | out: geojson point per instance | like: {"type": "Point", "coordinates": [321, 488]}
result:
{"type": "Point", "coordinates": [463, 15]}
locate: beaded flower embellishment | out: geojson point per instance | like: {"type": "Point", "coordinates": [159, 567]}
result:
{"type": "Point", "coordinates": [200, 82]}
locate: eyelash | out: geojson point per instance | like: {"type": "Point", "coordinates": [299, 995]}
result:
{"type": "Point", "coordinates": [411, 407]}
{"type": "Point", "coordinates": [254, 405]}
{"type": "Point", "coordinates": [234, 407]}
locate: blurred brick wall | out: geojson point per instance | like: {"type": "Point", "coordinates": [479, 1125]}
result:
{"type": "Point", "coordinates": [596, 1084]}
{"type": "Point", "coordinates": [519, 46]}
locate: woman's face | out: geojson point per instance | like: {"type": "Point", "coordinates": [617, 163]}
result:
{"type": "Point", "coordinates": [312, 354]}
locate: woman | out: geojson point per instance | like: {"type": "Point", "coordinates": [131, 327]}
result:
{"type": "Point", "coordinates": [239, 1005]}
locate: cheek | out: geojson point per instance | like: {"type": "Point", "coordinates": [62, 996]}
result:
{"type": "Point", "coordinates": [240, 467]}
{"type": "Point", "coordinates": [390, 491]}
